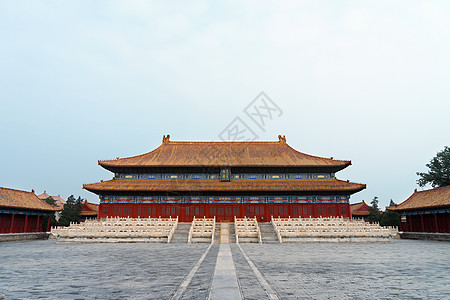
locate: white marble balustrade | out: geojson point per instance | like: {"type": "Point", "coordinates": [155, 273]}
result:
{"type": "Point", "coordinates": [247, 230]}
{"type": "Point", "coordinates": [118, 229]}
{"type": "Point", "coordinates": [202, 230]}
{"type": "Point", "coordinates": [330, 229]}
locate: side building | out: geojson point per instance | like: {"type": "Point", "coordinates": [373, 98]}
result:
{"type": "Point", "coordinates": [58, 200]}
{"type": "Point", "coordinates": [22, 211]}
{"type": "Point", "coordinates": [223, 180]}
{"type": "Point", "coordinates": [360, 210]}
{"type": "Point", "coordinates": [89, 211]}
{"type": "Point", "coordinates": [425, 211]}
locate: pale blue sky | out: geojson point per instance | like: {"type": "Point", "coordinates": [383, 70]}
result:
{"type": "Point", "coordinates": [87, 80]}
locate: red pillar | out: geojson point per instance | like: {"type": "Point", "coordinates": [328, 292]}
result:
{"type": "Point", "coordinates": [37, 223]}
{"type": "Point", "coordinates": [422, 225]}
{"type": "Point", "coordinates": [48, 223]}
{"type": "Point", "coordinates": [12, 224]}
{"type": "Point", "coordinates": [436, 224]}
{"type": "Point", "coordinates": [410, 223]}
{"type": "Point", "coordinates": [25, 225]}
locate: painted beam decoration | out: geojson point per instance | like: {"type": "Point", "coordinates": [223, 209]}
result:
{"type": "Point", "coordinates": [224, 199]}
{"type": "Point", "coordinates": [232, 176]}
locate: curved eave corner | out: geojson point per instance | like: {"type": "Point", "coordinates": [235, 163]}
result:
{"type": "Point", "coordinates": [360, 188]}
{"type": "Point", "coordinates": [92, 190]}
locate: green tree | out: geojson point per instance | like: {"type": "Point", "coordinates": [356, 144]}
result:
{"type": "Point", "coordinates": [52, 217]}
{"type": "Point", "coordinates": [389, 218]}
{"type": "Point", "coordinates": [374, 211]}
{"type": "Point", "coordinates": [439, 170]}
{"type": "Point", "coordinates": [50, 201]}
{"type": "Point", "coordinates": [71, 212]}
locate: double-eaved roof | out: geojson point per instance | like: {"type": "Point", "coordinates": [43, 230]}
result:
{"type": "Point", "coordinates": [433, 198]}
{"type": "Point", "coordinates": [224, 154]}
{"type": "Point", "coordinates": [17, 199]}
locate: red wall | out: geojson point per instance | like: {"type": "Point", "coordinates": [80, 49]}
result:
{"type": "Point", "coordinates": [22, 223]}
{"type": "Point", "coordinates": [224, 212]}
{"type": "Point", "coordinates": [426, 223]}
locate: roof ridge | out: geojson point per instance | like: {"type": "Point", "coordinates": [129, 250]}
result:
{"type": "Point", "coordinates": [11, 189]}
{"type": "Point", "coordinates": [433, 189]}
{"type": "Point", "coordinates": [224, 142]}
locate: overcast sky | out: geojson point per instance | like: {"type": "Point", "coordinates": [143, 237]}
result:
{"type": "Point", "coordinates": [366, 81]}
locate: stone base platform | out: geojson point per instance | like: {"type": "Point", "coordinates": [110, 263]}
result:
{"type": "Point", "coordinates": [328, 239]}
{"type": "Point", "coordinates": [426, 236]}
{"type": "Point", "coordinates": [111, 240]}
{"type": "Point", "coordinates": [11, 237]}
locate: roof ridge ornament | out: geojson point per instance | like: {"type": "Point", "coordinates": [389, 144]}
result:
{"type": "Point", "coordinates": [166, 138]}
{"type": "Point", "coordinates": [282, 139]}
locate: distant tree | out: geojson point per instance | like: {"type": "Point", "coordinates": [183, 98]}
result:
{"type": "Point", "coordinates": [50, 201]}
{"type": "Point", "coordinates": [374, 211]}
{"type": "Point", "coordinates": [389, 218]}
{"type": "Point", "coordinates": [71, 212]}
{"type": "Point", "coordinates": [439, 170]}
{"type": "Point", "coordinates": [52, 217]}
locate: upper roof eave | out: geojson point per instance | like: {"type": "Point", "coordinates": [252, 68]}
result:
{"type": "Point", "coordinates": [220, 154]}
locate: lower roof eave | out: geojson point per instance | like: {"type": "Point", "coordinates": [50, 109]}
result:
{"type": "Point", "coordinates": [322, 192]}
{"type": "Point", "coordinates": [29, 209]}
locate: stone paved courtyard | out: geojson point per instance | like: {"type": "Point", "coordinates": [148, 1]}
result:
{"type": "Point", "coordinates": [399, 270]}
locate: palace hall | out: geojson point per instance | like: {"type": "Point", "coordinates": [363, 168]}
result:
{"type": "Point", "coordinates": [224, 180]}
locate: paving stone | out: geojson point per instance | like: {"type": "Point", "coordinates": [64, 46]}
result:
{"type": "Point", "coordinates": [403, 269]}
{"type": "Point", "coordinates": [398, 270]}
{"type": "Point", "coordinates": [250, 287]}
{"type": "Point", "coordinates": [94, 271]}
{"type": "Point", "coordinates": [201, 282]}
{"type": "Point", "coordinates": [225, 283]}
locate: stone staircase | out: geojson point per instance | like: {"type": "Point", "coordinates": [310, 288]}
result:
{"type": "Point", "coordinates": [181, 233]}
{"type": "Point", "coordinates": [232, 234]}
{"type": "Point", "coordinates": [227, 233]}
{"type": "Point", "coordinates": [268, 234]}
{"type": "Point", "coordinates": [217, 234]}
